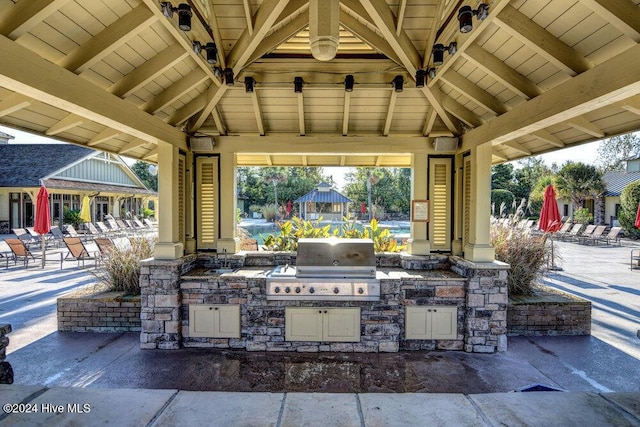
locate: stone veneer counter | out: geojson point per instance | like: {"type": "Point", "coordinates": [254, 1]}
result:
{"type": "Point", "coordinates": [475, 296]}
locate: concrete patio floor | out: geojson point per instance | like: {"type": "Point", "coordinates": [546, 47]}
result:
{"type": "Point", "coordinates": [158, 387]}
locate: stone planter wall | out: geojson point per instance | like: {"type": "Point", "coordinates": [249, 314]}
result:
{"type": "Point", "coordinates": [549, 314]}
{"type": "Point", "coordinates": [85, 311]}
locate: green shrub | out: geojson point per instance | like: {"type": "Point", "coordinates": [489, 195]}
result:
{"type": "Point", "coordinates": [72, 216]}
{"type": "Point", "coordinates": [629, 199]}
{"type": "Point", "coordinates": [296, 228]}
{"type": "Point", "coordinates": [146, 213]}
{"type": "Point", "coordinates": [582, 216]}
{"type": "Point", "coordinates": [527, 254]}
{"type": "Point", "coordinates": [120, 268]}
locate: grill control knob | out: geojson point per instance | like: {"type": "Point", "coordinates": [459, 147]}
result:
{"type": "Point", "coordinates": [276, 289]}
{"type": "Point", "coordinates": [312, 290]}
{"type": "Point", "coordinates": [287, 289]}
{"type": "Point", "coordinates": [360, 291]}
{"type": "Point", "coordinates": [297, 289]}
{"type": "Point", "coordinates": [336, 290]}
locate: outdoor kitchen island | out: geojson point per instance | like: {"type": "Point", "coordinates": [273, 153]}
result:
{"type": "Point", "coordinates": [416, 303]}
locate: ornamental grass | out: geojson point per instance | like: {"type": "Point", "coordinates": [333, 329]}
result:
{"type": "Point", "coordinates": [527, 253]}
{"type": "Point", "coordinates": [120, 267]}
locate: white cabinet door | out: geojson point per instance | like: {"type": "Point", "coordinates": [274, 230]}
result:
{"type": "Point", "coordinates": [214, 321]}
{"type": "Point", "coordinates": [341, 324]}
{"type": "Point", "coordinates": [320, 324]}
{"type": "Point", "coordinates": [431, 322]}
{"type": "Point", "coordinates": [303, 324]}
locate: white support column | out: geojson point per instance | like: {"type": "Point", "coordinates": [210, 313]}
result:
{"type": "Point", "coordinates": [227, 239]}
{"type": "Point", "coordinates": [169, 245]}
{"type": "Point", "coordinates": [418, 243]}
{"type": "Point", "coordinates": [478, 249]}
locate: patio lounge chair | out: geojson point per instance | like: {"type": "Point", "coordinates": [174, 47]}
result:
{"type": "Point", "coordinates": [24, 236]}
{"type": "Point", "coordinates": [80, 252]}
{"type": "Point", "coordinates": [571, 234]}
{"type": "Point", "coordinates": [613, 236]}
{"type": "Point", "coordinates": [20, 250]}
{"type": "Point", "coordinates": [597, 234]}
{"type": "Point", "coordinates": [105, 245]}
{"type": "Point", "coordinates": [102, 228]}
{"type": "Point", "coordinates": [586, 233]}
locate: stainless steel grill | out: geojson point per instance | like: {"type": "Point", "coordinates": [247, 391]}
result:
{"type": "Point", "coordinates": [328, 269]}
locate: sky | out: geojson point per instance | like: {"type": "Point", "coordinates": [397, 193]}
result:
{"type": "Point", "coordinates": [585, 153]}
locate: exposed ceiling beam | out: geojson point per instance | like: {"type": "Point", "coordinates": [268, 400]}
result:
{"type": "Point", "coordinates": [151, 153]}
{"type": "Point", "coordinates": [496, 153]}
{"type": "Point", "coordinates": [622, 14]}
{"type": "Point", "coordinates": [175, 91]}
{"type": "Point", "coordinates": [466, 40]}
{"type": "Point", "coordinates": [546, 136]}
{"type": "Point", "coordinates": [131, 146]}
{"type": "Point", "coordinates": [266, 16]}
{"type": "Point", "coordinates": [217, 119]}
{"type": "Point", "coordinates": [257, 111]}
{"type": "Point", "coordinates": [212, 17]}
{"type": "Point", "coordinates": [33, 76]}
{"type": "Point", "coordinates": [402, 8]}
{"type": "Point", "coordinates": [542, 42]}
{"type": "Point", "coordinates": [269, 160]}
{"type": "Point", "coordinates": [21, 17]}
{"type": "Point", "coordinates": [183, 114]}
{"type": "Point", "coordinates": [13, 103]}
{"type": "Point", "coordinates": [607, 83]}
{"type": "Point", "coordinates": [71, 121]}
{"type": "Point", "coordinates": [248, 16]}
{"type": "Point", "coordinates": [632, 105]}
{"type": "Point", "coordinates": [280, 36]}
{"type": "Point", "coordinates": [383, 18]}
{"type": "Point", "coordinates": [103, 136]}
{"type": "Point", "coordinates": [586, 126]}
{"type": "Point", "coordinates": [390, 109]}
{"type": "Point", "coordinates": [345, 113]}
{"type": "Point", "coordinates": [108, 40]}
{"type": "Point", "coordinates": [461, 112]}
{"type": "Point", "coordinates": [368, 36]}
{"type": "Point", "coordinates": [301, 113]}
{"type": "Point", "coordinates": [518, 147]}
{"type": "Point", "coordinates": [437, 19]}
{"type": "Point", "coordinates": [428, 124]}
{"type": "Point", "coordinates": [501, 72]}
{"type": "Point", "coordinates": [243, 49]}
{"type": "Point", "coordinates": [148, 71]}
{"type": "Point", "coordinates": [182, 39]}
{"type": "Point", "coordinates": [474, 92]}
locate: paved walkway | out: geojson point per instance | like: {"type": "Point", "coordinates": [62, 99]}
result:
{"type": "Point", "coordinates": [124, 385]}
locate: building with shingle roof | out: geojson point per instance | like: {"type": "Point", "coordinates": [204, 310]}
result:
{"type": "Point", "coordinates": [323, 201]}
{"type": "Point", "coordinates": [70, 173]}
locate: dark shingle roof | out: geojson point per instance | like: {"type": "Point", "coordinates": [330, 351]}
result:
{"type": "Point", "coordinates": [23, 165]}
{"type": "Point", "coordinates": [331, 196]}
{"type": "Point", "coordinates": [616, 181]}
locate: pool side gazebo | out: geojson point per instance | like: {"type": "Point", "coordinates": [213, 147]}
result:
{"type": "Point", "coordinates": [323, 201]}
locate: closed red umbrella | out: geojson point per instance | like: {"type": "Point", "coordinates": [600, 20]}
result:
{"type": "Point", "coordinates": [550, 219]}
{"type": "Point", "coordinates": [43, 220]}
{"type": "Point", "coordinates": [363, 208]}
{"type": "Point", "coordinates": [288, 207]}
{"type": "Point", "coordinates": [638, 217]}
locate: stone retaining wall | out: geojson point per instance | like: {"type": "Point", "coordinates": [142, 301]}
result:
{"type": "Point", "coordinates": [6, 371]}
{"type": "Point", "coordinates": [549, 314]}
{"type": "Point", "coordinates": [102, 312]}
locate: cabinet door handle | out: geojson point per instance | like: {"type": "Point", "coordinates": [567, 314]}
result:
{"type": "Point", "coordinates": [434, 310]}
{"type": "Point", "coordinates": [216, 308]}
{"type": "Point", "coordinates": [320, 311]}
{"type": "Point", "coordinates": [210, 308]}
{"type": "Point", "coordinates": [325, 311]}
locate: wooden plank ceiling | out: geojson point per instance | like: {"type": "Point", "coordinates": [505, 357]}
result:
{"type": "Point", "coordinates": [119, 76]}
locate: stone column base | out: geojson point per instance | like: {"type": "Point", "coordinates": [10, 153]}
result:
{"type": "Point", "coordinates": [418, 247]}
{"type": "Point", "coordinates": [479, 252]}
{"type": "Point", "coordinates": [232, 245]}
{"type": "Point", "coordinates": [168, 250]}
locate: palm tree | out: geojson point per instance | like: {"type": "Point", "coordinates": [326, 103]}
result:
{"type": "Point", "coordinates": [275, 177]}
{"type": "Point", "coordinates": [578, 182]}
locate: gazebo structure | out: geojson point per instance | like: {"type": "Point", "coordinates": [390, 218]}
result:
{"type": "Point", "coordinates": [447, 88]}
{"type": "Point", "coordinates": [323, 201]}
